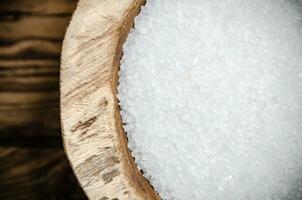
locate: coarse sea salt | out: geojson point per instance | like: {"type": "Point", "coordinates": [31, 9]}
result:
{"type": "Point", "coordinates": [211, 97]}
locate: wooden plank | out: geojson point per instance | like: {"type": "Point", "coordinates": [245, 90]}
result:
{"type": "Point", "coordinates": [30, 49]}
{"type": "Point", "coordinates": [29, 114]}
{"type": "Point", "coordinates": [41, 172]}
{"type": "Point", "coordinates": [29, 75]}
{"type": "Point", "coordinates": [46, 82]}
{"type": "Point", "coordinates": [40, 7]}
{"type": "Point", "coordinates": [46, 114]}
{"type": "Point", "coordinates": [17, 72]}
{"type": "Point", "coordinates": [28, 64]}
{"type": "Point", "coordinates": [20, 108]}
{"type": "Point", "coordinates": [30, 27]}
{"type": "Point", "coordinates": [25, 98]}
{"type": "Point", "coordinates": [30, 35]}
{"type": "Point", "coordinates": [30, 130]}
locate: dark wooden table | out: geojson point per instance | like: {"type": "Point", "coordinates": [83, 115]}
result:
{"type": "Point", "coordinates": [32, 161]}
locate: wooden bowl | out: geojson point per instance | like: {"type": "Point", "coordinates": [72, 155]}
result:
{"type": "Point", "coordinates": [93, 136]}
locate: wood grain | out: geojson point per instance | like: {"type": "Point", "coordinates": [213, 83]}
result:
{"type": "Point", "coordinates": [31, 49]}
{"type": "Point", "coordinates": [29, 94]}
{"type": "Point", "coordinates": [31, 32]}
{"type": "Point", "coordinates": [21, 108]}
{"type": "Point", "coordinates": [28, 64]}
{"type": "Point", "coordinates": [93, 136]}
{"type": "Point", "coordinates": [35, 80]}
{"type": "Point", "coordinates": [35, 173]}
{"type": "Point", "coordinates": [33, 164]}
{"type": "Point", "coordinates": [53, 28]}
{"type": "Point", "coordinates": [37, 7]}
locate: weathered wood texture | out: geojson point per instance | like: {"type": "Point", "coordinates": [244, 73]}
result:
{"type": "Point", "coordinates": [38, 7]}
{"type": "Point", "coordinates": [13, 30]}
{"type": "Point", "coordinates": [31, 34]}
{"type": "Point", "coordinates": [33, 164]}
{"type": "Point", "coordinates": [36, 173]}
{"type": "Point", "coordinates": [94, 140]}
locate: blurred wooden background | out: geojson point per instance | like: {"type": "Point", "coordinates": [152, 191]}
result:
{"type": "Point", "coordinates": [32, 161]}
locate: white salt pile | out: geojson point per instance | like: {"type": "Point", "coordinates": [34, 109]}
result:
{"type": "Point", "coordinates": [211, 95]}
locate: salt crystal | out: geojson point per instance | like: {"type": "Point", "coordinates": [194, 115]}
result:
{"type": "Point", "coordinates": [210, 92]}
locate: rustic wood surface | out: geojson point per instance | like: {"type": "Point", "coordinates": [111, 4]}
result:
{"type": "Point", "coordinates": [38, 7]}
{"type": "Point", "coordinates": [36, 172]}
{"type": "Point", "coordinates": [31, 34]}
{"type": "Point", "coordinates": [94, 140]}
{"type": "Point", "coordinates": [33, 163]}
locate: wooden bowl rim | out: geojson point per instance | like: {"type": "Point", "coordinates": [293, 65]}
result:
{"type": "Point", "coordinates": [93, 137]}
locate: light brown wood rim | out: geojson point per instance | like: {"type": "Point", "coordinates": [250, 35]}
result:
{"type": "Point", "coordinates": [94, 140]}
